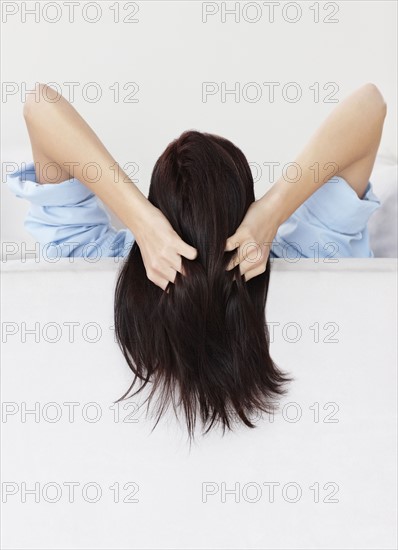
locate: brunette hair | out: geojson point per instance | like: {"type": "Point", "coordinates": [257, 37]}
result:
{"type": "Point", "coordinates": [203, 346]}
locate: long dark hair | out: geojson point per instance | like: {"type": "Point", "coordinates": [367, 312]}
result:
{"type": "Point", "coordinates": [203, 346]}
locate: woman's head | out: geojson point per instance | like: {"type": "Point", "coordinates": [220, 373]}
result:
{"type": "Point", "coordinates": [203, 345]}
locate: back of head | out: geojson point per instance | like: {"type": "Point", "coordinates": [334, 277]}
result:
{"type": "Point", "coordinates": [203, 345]}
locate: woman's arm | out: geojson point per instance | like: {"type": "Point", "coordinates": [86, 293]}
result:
{"type": "Point", "coordinates": [344, 145]}
{"type": "Point", "coordinates": [67, 141]}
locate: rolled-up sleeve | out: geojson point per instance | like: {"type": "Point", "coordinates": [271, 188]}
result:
{"type": "Point", "coordinates": [67, 219]}
{"type": "Point", "coordinates": [331, 223]}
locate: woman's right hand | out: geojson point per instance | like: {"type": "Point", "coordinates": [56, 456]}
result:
{"type": "Point", "coordinates": [161, 247]}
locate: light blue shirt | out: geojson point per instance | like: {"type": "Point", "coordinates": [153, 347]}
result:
{"type": "Point", "coordinates": [68, 219]}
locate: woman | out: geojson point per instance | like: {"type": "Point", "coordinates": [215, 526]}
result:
{"type": "Point", "coordinates": [203, 344]}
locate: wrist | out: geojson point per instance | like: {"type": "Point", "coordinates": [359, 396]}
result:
{"type": "Point", "coordinates": [140, 215]}
{"type": "Point", "coordinates": [130, 204]}
{"type": "Point", "coordinates": [272, 205]}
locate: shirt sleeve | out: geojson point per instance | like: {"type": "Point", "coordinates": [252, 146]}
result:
{"type": "Point", "coordinates": [67, 219]}
{"type": "Point", "coordinates": [330, 224]}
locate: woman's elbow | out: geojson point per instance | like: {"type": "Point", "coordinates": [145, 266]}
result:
{"type": "Point", "coordinates": [375, 99]}
{"type": "Point", "coordinates": [39, 100]}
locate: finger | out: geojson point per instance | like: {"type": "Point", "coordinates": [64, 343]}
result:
{"type": "Point", "coordinates": [187, 251]}
{"type": "Point", "coordinates": [244, 253]}
{"type": "Point", "coordinates": [248, 265]}
{"type": "Point", "coordinates": [179, 268]}
{"type": "Point", "coordinates": [233, 262]}
{"type": "Point", "coordinates": [250, 270]}
{"type": "Point", "coordinates": [161, 282]}
{"type": "Point", "coordinates": [253, 273]}
{"type": "Point", "coordinates": [251, 255]}
{"type": "Point", "coordinates": [176, 263]}
{"type": "Point", "coordinates": [245, 250]}
{"type": "Point", "coordinates": [170, 274]}
{"type": "Point", "coordinates": [232, 242]}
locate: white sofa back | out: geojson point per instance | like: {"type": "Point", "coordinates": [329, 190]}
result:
{"type": "Point", "coordinates": [328, 453]}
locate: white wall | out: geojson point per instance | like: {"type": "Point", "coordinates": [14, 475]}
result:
{"type": "Point", "coordinates": [170, 52]}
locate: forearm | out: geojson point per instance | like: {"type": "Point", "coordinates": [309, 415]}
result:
{"type": "Point", "coordinates": [73, 145]}
{"type": "Point", "coordinates": [346, 136]}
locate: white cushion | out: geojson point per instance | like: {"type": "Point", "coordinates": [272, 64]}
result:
{"type": "Point", "coordinates": [383, 225]}
{"type": "Point", "coordinates": [334, 330]}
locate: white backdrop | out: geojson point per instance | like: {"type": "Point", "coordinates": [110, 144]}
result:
{"type": "Point", "coordinates": [172, 49]}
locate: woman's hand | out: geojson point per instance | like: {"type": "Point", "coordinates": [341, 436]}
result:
{"type": "Point", "coordinates": [161, 247]}
{"type": "Point", "coordinates": [253, 238]}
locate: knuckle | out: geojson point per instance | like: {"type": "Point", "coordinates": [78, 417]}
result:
{"type": "Point", "coordinates": [247, 234]}
{"type": "Point", "coordinates": [165, 251]}
{"type": "Point", "coordinates": [155, 265]}
{"type": "Point", "coordinates": [152, 274]}
{"type": "Point", "coordinates": [170, 240]}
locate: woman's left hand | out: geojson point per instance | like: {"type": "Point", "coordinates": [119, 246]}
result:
{"type": "Point", "coordinates": [253, 238]}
